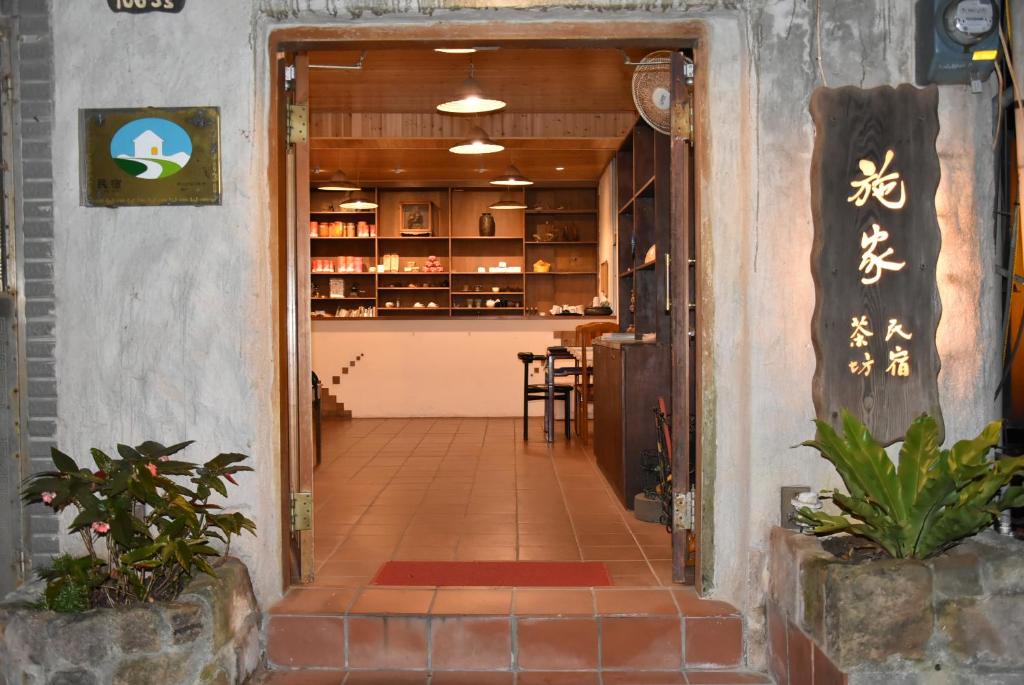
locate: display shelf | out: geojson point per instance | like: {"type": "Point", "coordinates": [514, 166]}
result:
{"type": "Point", "coordinates": [561, 211]}
{"type": "Point", "coordinates": [413, 309]}
{"type": "Point", "coordinates": [341, 299]}
{"type": "Point", "coordinates": [335, 212]}
{"type": "Point", "coordinates": [453, 215]}
{"type": "Point", "coordinates": [535, 243]}
{"type": "Point", "coordinates": [641, 267]}
{"type": "Point", "coordinates": [488, 292]}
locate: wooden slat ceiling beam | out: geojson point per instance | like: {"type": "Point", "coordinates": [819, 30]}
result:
{"type": "Point", "coordinates": [566, 108]}
{"type": "Point", "coordinates": [416, 80]}
{"type": "Point", "coordinates": [498, 125]}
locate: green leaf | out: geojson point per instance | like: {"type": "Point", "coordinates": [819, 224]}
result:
{"type": "Point", "coordinates": [129, 454]}
{"type": "Point", "coordinates": [63, 462]}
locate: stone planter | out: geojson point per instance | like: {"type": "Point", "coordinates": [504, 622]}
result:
{"type": "Point", "coordinates": [209, 635]}
{"type": "Point", "coordinates": [955, 618]}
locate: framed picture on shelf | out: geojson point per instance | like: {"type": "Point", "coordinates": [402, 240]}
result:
{"type": "Point", "coordinates": [416, 218]}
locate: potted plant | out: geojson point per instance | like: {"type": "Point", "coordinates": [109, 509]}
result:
{"type": "Point", "coordinates": [153, 593]}
{"type": "Point", "coordinates": [921, 599]}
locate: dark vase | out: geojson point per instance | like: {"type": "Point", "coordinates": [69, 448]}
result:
{"type": "Point", "coordinates": [486, 224]}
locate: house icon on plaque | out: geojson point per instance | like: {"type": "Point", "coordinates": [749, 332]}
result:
{"type": "Point", "coordinates": [148, 144]}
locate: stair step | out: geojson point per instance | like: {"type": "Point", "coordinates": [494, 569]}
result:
{"type": "Point", "coordinates": [626, 630]}
{"type": "Point", "coordinates": [310, 677]}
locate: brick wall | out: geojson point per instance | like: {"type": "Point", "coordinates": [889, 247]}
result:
{"type": "Point", "coordinates": [32, 56]}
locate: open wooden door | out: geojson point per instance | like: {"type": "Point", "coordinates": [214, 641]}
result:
{"type": "Point", "coordinates": [682, 289]}
{"type": "Point", "coordinates": [291, 162]}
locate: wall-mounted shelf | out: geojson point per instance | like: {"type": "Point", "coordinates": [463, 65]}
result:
{"type": "Point", "coordinates": [454, 215]}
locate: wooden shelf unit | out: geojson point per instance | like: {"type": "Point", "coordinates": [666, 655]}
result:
{"type": "Point", "coordinates": [560, 213]}
{"type": "Point", "coordinates": [633, 375]}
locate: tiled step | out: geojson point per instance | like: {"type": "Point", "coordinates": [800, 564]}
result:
{"type": "Point", "coordinates": [511, 630]}
{"type": "Point", "coordinates": [310, 677]}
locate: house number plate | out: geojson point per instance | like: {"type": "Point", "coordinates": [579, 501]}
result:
{"type": "Point", "coordinates": [140, 6]}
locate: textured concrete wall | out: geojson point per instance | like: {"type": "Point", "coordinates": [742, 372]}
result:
{"type": "Point", "coordinates": [166, 327]}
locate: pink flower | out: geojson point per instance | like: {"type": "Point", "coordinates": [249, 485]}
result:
{"type": "Point", "coordinates": [152, 469]}
{"type": "Point", "coordinates": [100, 527]}
{"type": "Point", "coordinates": [48, 497]}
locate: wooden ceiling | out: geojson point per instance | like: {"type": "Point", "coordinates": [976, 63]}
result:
{"type": "Point", "coordinates": [566, 108]}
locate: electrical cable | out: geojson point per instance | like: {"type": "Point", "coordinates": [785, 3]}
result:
{"type": "Point", "coordinates": [817, 40]}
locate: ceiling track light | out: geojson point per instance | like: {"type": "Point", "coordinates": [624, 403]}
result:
{"type": "Point", "coordinates": [471, 99]}
{"type": "Point", "coordinates": [512, 177]}
{"type": "Point", "coordinates": [479, 143]}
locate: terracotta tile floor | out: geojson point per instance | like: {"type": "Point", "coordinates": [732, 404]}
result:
{"type": "Point", "coordinates": [469, 489]}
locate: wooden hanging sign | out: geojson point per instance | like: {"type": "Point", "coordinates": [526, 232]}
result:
{"type": "Point", "coordinates": [874, 175]}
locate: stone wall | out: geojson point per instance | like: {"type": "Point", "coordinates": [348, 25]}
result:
{"type": "Point", "coordinates": [955, 618]}
{"type": "Point", "coordinates": [167, 314]}
{"type": "Point", "coordinates": [209, 635]}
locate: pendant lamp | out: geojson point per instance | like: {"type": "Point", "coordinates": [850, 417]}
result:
{"type": "Point", "coordinates": [512, 177]}
{"type": "Point", "coordinates": [339, 184]}
{"type": "Point", "coordinates": [358, 201]}
{"type": "Point", "coordinates": [470, 99]}
{"type": "Point", "coordinates": [479, 143]}
{"type": "Point", "coordinates": [507, 202]}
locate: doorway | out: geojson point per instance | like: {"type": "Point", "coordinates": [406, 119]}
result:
{"type": "Point", "coordinates": [383, 464]}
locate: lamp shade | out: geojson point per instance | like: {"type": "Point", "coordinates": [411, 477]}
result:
{"type": "Point", "coordinates": [479, 143]}
{"type": "Point", "coordinates": [358, 202]}
{"type": "Point", "coordinates": [470, 100]}
{"type": "Point", "coordinates": [339, 183]}
{"type": "Point", "coordinates": [512, 177]}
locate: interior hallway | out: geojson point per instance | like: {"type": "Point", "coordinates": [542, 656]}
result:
{"type": "Point", "coordinates": [470, 489]}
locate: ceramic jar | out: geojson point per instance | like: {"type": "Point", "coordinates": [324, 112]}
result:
{"type": "Point", "coordinates": [486, 224]}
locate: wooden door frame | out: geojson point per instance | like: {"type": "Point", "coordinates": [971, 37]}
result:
{"type": "Point", "coordinates": [691, 34]}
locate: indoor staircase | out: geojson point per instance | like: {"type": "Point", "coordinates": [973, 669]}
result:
{"type": "Point", "coordinates": [520, 636]}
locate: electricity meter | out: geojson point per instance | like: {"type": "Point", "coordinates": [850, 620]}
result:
{"type": "Point", "coordinates": [957, 41]}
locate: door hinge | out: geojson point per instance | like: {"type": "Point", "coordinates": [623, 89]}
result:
{"type": "Point", "coordinates": [682, 120]}
{"type": "Point", "coordinates": [297, 124]}
{"type": "Point", "coordinates": [682, 511]}
{"type": "Point", "coordinates": [302, 511]}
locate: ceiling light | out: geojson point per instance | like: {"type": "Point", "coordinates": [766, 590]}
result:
{"type": "Point", "coordinates": [358, 202]}
{"type": "Point", "coordinates": [479, 143]}
{"type": "Point", "coordinates": [455, 51]}
{"type": "Point", "coordinates": [508, 204]}
{"type": "Point", "coordinates": [338, 183]}
{"type": "Point", "coordinates": [559, 168]}
{"type": "Point", "coordinates": [470, 99]}
{"type": "Point", "coordinates": [512, 177]}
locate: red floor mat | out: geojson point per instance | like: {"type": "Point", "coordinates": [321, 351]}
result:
{"type": "Point", "coordinates": [494, 573]}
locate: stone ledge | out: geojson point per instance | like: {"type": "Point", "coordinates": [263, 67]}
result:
{"type": "Point", "coordinates": [897, 620]}
{"type": "Point", "coordinates": [210, 635]}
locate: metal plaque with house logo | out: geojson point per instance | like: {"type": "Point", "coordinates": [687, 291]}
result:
{"type": "Point", "coordinates": [150, 156]}
{"type": "Point", "coordinates": [874, 177]}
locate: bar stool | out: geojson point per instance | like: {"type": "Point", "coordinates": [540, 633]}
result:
{"type": "Point", "coordinates": [539, 391]}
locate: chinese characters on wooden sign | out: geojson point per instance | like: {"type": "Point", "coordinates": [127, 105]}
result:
{"type": "Point", "coordinates": [874, 175]}
{"type": "Point", "coordinates": [150, 156]}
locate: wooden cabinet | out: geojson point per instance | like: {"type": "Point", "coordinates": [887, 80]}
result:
{"type": "Point", "coordinates": [629, 377]}
{"type": "Point", "coordinates": [628, 380]}
{"type": "Point", "coordinates": [559, 227]}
